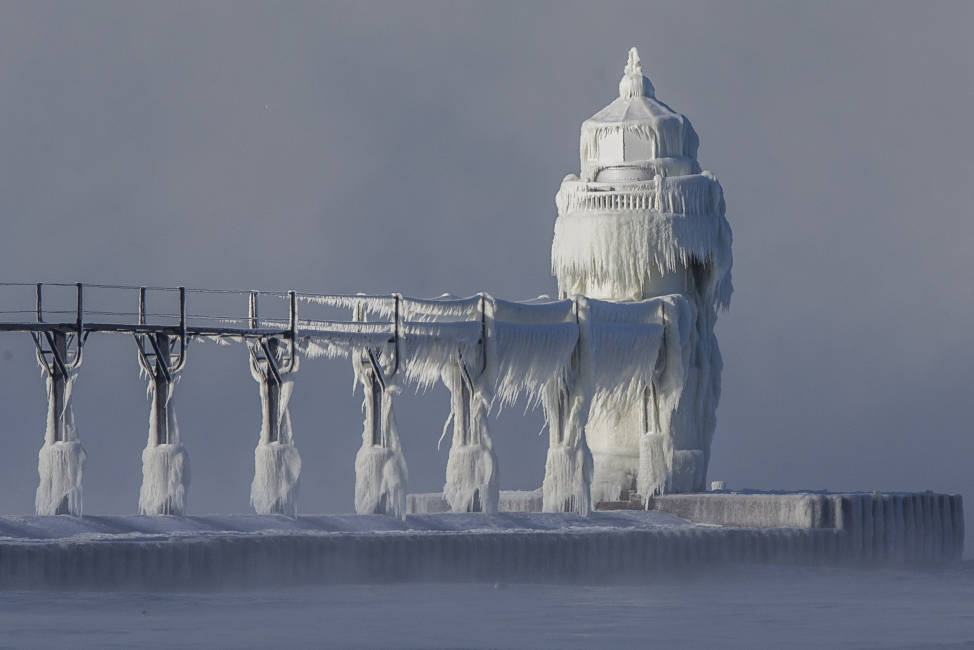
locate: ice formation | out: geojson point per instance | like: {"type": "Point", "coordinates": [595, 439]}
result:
{"type": "Point", "coordinates": [644, 221]}
{"type": "Point", "coordinates": [277, 463]}
{"type": "Point", "coordinates": [582, 360]}
{"type": "Point", "coordinates": [380, 467]}
{"type": "Point", "coordinates": [471, 468]}
{"type": "Point", "coordinates": [568, 464]}
{"type": "Point", "coordinates": [165, 479]}
{"type": "Point", "coordinates": [472, 480]}
{"type": "Point", "coordinates": [487, 352]}
{"type": "Point", "coordinates": [61, 467]}
{"type": "Point", "coordinates": [60, 463]}
{"type": "Point", "coordinates": [165, 463]}
{"type": "Point", "coordinates": [61, 460]}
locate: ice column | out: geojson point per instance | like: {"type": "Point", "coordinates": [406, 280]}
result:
{"type": "Point", "coordinates": [60, 463]}
{"type": "Point", "coordinates": [568, 466]}
{"type": "Point", "coordinates": [165, 463]}
{"type": "Point", "coordinates": [380, 469]}
{"type": "Point", "coordinates": [277, 463]}
{"type": "Point", "coordinates": [566, 398]}
{"type": "Point", "coordinates": [471, 469]}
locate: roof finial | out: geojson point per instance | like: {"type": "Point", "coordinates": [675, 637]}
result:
{"type": "Point", "coordinates": [633, 66]}
{"type": "Point", "coordinates": [633, 83]}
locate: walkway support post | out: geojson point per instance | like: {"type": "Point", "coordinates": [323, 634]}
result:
{"type": "Point", "coordinates": [471, 470]}
{"type": "Point", "coordinates": [165, 463]}
{"type": "Point", "coordinates": [277, 463]}
{"type": "Point", "coordinates": [60, 463]}
{"type": "Point", "coordinates": [380, 468]}
{"type": "Point", "coordinates": [567, 485]}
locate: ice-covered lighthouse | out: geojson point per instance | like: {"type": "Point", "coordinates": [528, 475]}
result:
{"type": "Point", "coordinates": [642, 220]}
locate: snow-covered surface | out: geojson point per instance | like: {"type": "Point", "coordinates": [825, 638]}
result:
{"type": "Point", "coordinates": [138, 552]}
{"type": "Point", "coordinates": [108, 528]}
{"type": "Point", "coordinates": [875, 526]}
{"type": "Point", "coordinates": [636, 128]}
{"type": "Point", "coordinates": [508, 501]}
{"type": "Point", "coordinates": [251, 551]}
{"type": "Point", "coordinates": [878, 526]}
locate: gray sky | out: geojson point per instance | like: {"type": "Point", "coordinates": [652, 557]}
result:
{"type": "Point", "coordinates": [417, 148]}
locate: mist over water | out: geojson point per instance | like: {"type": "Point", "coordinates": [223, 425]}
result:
{"type": "Point", "coordinates": [743, 607]}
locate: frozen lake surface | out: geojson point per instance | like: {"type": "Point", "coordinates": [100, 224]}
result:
{"type": "Point", "coordinates": [745, 607]}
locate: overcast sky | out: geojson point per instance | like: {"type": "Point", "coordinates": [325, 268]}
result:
{"type": "Point", "coordinates": [417, 147]}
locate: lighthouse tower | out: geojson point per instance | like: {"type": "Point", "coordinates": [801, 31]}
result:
{"type": "Point", "coordinates": [642, 220]}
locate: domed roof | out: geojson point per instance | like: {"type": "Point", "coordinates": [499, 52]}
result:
{"type": "Point", "coordinates": [636, 113]}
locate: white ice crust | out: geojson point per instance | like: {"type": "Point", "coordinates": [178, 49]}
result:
{"type": "Point", "coordinates": [60, 463]}
{"type": "Point", "coordinates": [165, 479]}
{"type": "Point", "coordinates": [277, 463]}
{"type": "Point", "coordinates": [644, 221]}
{"type": "Point", "coordinates": [165, 467]}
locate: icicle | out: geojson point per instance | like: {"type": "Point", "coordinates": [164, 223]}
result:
{"type": "Point", "coordinates": [339, 340]}
{"type": "Point", "coordinates": [655, 463]}
{"type": "Point", "coordinates": [443, 309]}
{"type": "Point", "coordinates": [623, 255]}
{"type": "Point", "coordinates": [381, 306]}
{"type": "Point", "coordinates": [527, 356]}
{"type": "Point", "coordinates": [427, 349]}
